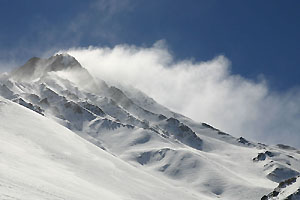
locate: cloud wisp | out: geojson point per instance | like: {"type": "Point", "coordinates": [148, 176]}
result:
{"type": "Point", "coordinates": [204, 91]}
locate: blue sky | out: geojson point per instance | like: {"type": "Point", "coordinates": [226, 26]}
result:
{"type": "Point", "coordinates": [258, 37]}
{"type": "Point", "coordinates": [248, 87]}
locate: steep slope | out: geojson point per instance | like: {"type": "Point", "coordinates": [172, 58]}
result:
{"type": "Point", "coordinates": [131, 126]}
{"type": "Point", "coordinates": [40, 159]}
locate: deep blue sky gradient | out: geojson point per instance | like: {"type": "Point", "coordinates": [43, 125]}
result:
{"type": "Point", "coordinates": [258, 37]}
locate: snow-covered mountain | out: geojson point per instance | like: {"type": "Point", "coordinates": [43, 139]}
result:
{"type": "Point", "coordinates": [73, 136]}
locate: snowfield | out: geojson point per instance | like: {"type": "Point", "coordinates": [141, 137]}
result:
{"type": "Point", "coordinates": [67, 135]}
{"type": "Point", "coordinates": [41, 159]}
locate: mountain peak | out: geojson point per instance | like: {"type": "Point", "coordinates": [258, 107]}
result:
{"type": "Point", "coordinates": [37, 67]}
{"type": "Point", "coordinates": [63, 61]}
{"type": "Point", "coordinates": [142, 139]}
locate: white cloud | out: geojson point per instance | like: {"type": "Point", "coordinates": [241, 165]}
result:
{"type": "Point", "coordinates": [204, 91]}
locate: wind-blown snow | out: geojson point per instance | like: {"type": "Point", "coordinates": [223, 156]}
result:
{"type": "Point", "coordinates": [205, 91]}
{"type": "Point", "coordinates": [130, 147]}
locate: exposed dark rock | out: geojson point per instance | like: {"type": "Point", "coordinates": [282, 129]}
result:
{"type": "Point", "coordinates": [263, 156]}
{"type": "Point", "coordinates": [265, 197]}
{"type": "Point", "coordinates": [38, 67]}
{"type": "Point", "coordinates": [209, 126]}
{"type": "Point", "coordinates": [162, 117]}
{"type": "Point", "coordinates": [260, 157]}
{"type": "Point", "coordinates": [283, 146]}
{"type": "Point", "coordinates": [282, 173]}
{"type": "Point", "coordinates": [173, 121]}
{"type": "Point", "coordinates": [222, 133]}
{"type": "Point", "coordinates": [287, 182]}
{"type": "Point", "coordinates": [27, 70]}
{"type": "Point", "coordinates": [268, 153]}
{"type": "Point", "coordinates": [280, 189]}
{"type": "Point", "coordinates": [275, 193]}
{"type": "Point", "coordinates": [243, 141]}
{"type": "Point", "coordinates": [92, 108]}
{"type": "Point", "coordinates": [146, 157]}
{"type": "Point", "coordinates": [183, 133]}
{"type": "Point", "coordinates": [30, 106]}
{"type": "Point", "coordinates": [76, 108]}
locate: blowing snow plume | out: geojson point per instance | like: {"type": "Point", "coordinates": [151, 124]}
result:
{"type": "Point", "coordinates": [204, 91]}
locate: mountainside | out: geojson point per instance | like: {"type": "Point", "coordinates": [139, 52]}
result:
{"type": "Point", "coordinates": [41, 159]}
{"type": "Point", "coordinates": [130, 147]}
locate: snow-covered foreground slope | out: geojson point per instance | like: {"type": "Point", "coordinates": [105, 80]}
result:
{"type": "Point", "coordinates": [130, 147]}
{"type": "Point", "coordinates": [40, 159]}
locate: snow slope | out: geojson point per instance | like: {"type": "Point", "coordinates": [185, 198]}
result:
{"type": "Point", "coordinates": [40, 159]}
{"type": "Point", "coordinates": [130, 147]}
{"type": "Point", "coordinates": [288, 189]}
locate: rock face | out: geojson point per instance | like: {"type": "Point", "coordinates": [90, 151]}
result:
{"type": "Point", "coordinates": [263, 156]}
{"type": "Point", "coordinates": [196, 157]}
{"type": "Point", "coordinates": [38, 67]}
{"type": "Point", "coordinates": [288, 189]}
{"type": "Point", "coordinates": [183, 133]}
